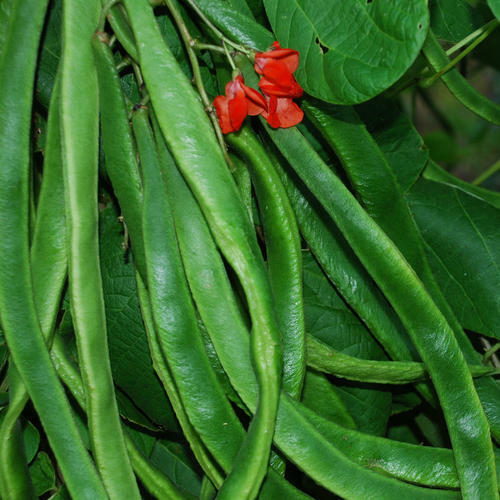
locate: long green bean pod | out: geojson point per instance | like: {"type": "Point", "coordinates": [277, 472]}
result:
{"type": "Point", "coordinates": [49, 268]}
{"type": "Point", "coordinates": [156, 482]}
{"type": "Point", "coordinates": [220, 312]}
{"type": "Point", "coordinates": [79, 135]}
{"type": "Point", "coordinates": [284, 255]}
{"type": "Point", "coordinates": [118, 146]}
{"type": "Point", "coordinates": [17, 308]}
{"type": "Point", "coordinates": [429, 331]}
{"type": "Point", "coordinates": [366, 166]}
{"type": "Point", "coordinates": [173, 312]}
{"type": "Point", "coordinates": [323, 358]}
{"type": "Point", "coordinates": [199, 450]}
{"type": "Point", "coordinates": [201, 161]}
{"type": "Point", "coordinates": [187, 216]}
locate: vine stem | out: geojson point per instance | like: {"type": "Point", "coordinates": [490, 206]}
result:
{"type": "Point", "coordinates": [490, 354]}
{"type": "Point", "coordinates": [190, 43]}
{"type": "Point", "coordinates": [207, 46]}
{"type": "Point", "coordinates": [487, 174]}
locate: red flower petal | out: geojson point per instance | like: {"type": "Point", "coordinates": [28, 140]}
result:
{"type": "Point", "coordinates": [238, 110]}
{"type": "Point", "coordinates": [255, 101]}
{"type": "Point", "coordinates": [221, 105]}
{"type": "Point", "coordinates": [288, 112]}
{"type": "Point", "coordinates": [270, 114]}
{"type": "Point", "coordinates": [289, 57]}
{"type": "Point", "coordinates": [283, 112]}
{"type": "Point", "coordinates": [269, 87]}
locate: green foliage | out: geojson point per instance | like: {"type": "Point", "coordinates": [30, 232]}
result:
{"type": "Point", "coordinates": [291, 317]}
{"type": "Point", "coordinates": [355, 48]}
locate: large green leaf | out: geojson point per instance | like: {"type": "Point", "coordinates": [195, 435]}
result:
{"type": "Point", "coordinates": [402, 145]}
{"type": "Point", "coordinates": [128, 347]}
{"type": "Point", "coordinates": [495, 7]}
{"type": "Point", "coordinates": [329, 319]}
{"type": "Point", "coordinates": [452, 20]}
{"type": "Point", "coordinates": [350, 51]}
{"type": "Point", "coordinates": [463, 246]}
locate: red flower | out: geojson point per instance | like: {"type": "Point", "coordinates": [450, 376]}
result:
{"type": "Point", "coordinates": [239, 102]}
{"type": "Point", "coordinates": [282, 112]}
{"type": "Point", "coordinates": [276, 67]}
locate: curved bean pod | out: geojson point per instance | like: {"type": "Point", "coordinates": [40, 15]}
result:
{"type": "Point", "coordinates": [219, 309]}
{"type": "Point", "coordinates": [199, 450]}
{"type": "Point", "coordinates": [192, 143]}
{"type": "Point", "coordinates": [189, 221]}
{"type": "Point", "coordinates": [18, 314]}
{"type": "Point", "coordinates": [49, 267]}
{"type": "Point", "coordinates": [284, 255]}
{"type": "Point", "coordinates": [435, 172]}
{"type": "Point", "coordinates": [156, 482]}
{"type": "Point", "coordinates": [429, 331]}
{"type": "Point", "coordinates": [425, 465]}
{"type": "Point", "coordinates": [79, 135]}
{"type": "Point", "coordinates": [323, 358]}
{"type": "Point", "coordinates": [118, 146]}
{"type": "Point", "coordinates": [367, 166]}
{"type": "Point", "coordinates": [15, 481]}
{"type": "Point", "coordinates": [457, 84]}
{"type": "Point", "coordinates": [173, 312]}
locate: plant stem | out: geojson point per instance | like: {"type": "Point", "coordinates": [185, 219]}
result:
{"type": "Point", "coordinates": [104, 13]}
{"type": "Point", "coordinates": [486, 174]}
{"type": "Point", "coordinates": [207, 46]}
{"type": "Point", "coordinates": [190, 43]}
{"type": "Point", "coordinates": [228, 55]}
{"type": "Point", "coordinates": [471, 37]}
{"type": "Point", "coordinates": [427, 82]}
{"type": "Point", "coordinates": [218, 34]}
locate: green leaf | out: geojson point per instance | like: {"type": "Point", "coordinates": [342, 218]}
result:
{"type": "Point", "coordinates": [321, 397]}
{"type": "Point", "coordinates": [436, 173]}
{"type": "Point", "coordinates": [453, 20]}
{"type": "Point", "coordinates": [402, 145]}
{"type": "Point", "coordinates": [168, 462]}
{"type": "Point", "coordinates": [42, 474]}
{"type": "Point", "coordinates": [128, 347]}
{"type": "Point", "coordinates": [50, 55]}
{"type": "Point", "coordinates": [495, 7]}
{"type": "Point", "coordinates": [463, 247]}
{"type": "Point", "coordinates": [31, 438]}
{"type": "Point", "coordinates": [330, 320]}
{"type": "Point", "coordinates": [350, 51]}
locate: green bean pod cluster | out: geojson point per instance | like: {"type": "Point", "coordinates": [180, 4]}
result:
{"type": "Point", "coordinates": [242, 265]}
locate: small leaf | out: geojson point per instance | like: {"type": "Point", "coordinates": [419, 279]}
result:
{"type": "Point", "coordinates": [175, 468]}
{"type": "Point", "coordinates": [350, 51]}
{"type": "Point", "coordinates": [42, 474]}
